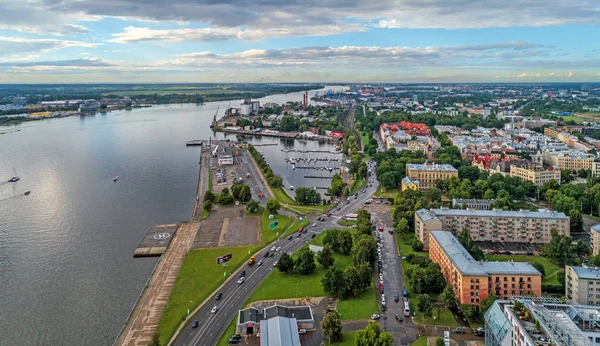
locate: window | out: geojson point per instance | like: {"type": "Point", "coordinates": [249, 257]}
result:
{"type": "Point", "coordinates": [505, 278]}
{"type": "Point", "coordinates": [512, 279]}
{"type": "Point", "coordinates": [597, 339]}
{"type": "Point", "coordinates": [528, 286]}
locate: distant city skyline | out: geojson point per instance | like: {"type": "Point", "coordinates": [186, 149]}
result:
{"type": "Point", "coordinates": [67, 41]}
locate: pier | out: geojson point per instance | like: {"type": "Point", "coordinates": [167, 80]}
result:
{"type": "Point", "coordinates": [156, 241]}
{"type": "Point", "coordinates": [309, 151]}
{"type": "Point", "coordinates": [288, 135]}
{"type": "Point", "coordinates": [195, 142]}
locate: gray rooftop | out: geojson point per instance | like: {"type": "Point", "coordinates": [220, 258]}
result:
{"type": "Point", "coordinates": [407, 180]}
{"type": "Point", "coordinates": [595, 228]}
{"type": "Point", "coordinates": [431, 167]}
{"type": "Point", "coordinates": [500, 213]}
{"type": "Point", "coordinates": [467, 265]}
{"type": "Point", "coordinates": [255, 315]}
{"type": "Point", "coordinates": [587, 273]}
{"type": "Point", "coordinates": [279, 331]}
{"type": "Point", "coordinates": [426, 215]}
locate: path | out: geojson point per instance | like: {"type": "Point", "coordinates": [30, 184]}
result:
{"type": "Point", "coordinates": [144, 319]}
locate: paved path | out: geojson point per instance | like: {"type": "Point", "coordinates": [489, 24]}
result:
{"type": "Point", "coordinates": [144, 319]}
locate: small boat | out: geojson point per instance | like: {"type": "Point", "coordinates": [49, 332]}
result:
{"type": "Point", "coordinates": [115, 178]}
{"type": "Point", "coordinates": [293, 167]}
{"type": "Point", "coordinates": [14, 178]}
{"type": "Point", "coordinates": [27, 192]}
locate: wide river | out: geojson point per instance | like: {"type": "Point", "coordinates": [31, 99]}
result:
{"type": "Point", "coordinates": [67, 274]}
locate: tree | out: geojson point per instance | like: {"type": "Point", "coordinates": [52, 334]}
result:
{"type": "Point", "coordinates": [273, 205]}
{"type": "Point", "coordinates": [307, 196]}
{"type": "Point", "coordinates": [208, 196]}
{"type": "Point", "coordinates": [402, 226]}
{"type": "Point", "coordinates": [448, 296]}
{"type": "Point", "coordinates": [559, 249]}
{"type": "Point", "coordinates": [252, 206]}
{"type": "Point", "coordinates": [346, 243]}
{"type": "Point", "coordinates": [468, 310]}
{"type": "Point", "coordinates": [337, 185]}
{"type": "Point", "coordinates": [576, 219]}
{"type": "Point", "coordinates": [305, 262]}
{"type": "Point", "coordinates": [352, 282]}
{"type": "Point", "coordinates": [487, 303]}
{"type": "Point", "coordinates": [325, 257]}
{"type": "Point", "coordinates": [373, 335]}
{"type": "Point", "coordinates": [560, 276]}
{"type": "Point", "coordinates": [285, 264]}
{"type": "Point", "coordinates": [207, 205]}
{"type": "Point", "coordinates": [365, 272]}
{"type": "Point", "coordinates": [332, 326]}
{"type": "Point", "coordinates": [388, 180]}
{"type": "Point", "coordinates": [275, 181]}
{"type": "Point", "coordinates": [416, 244]}
{"type": "Point", "coordinates": [226, 198]}
{"type": "Point", "coordinates": [424, 305]}
{"type": "Point", "coordinates": [331, 239]}
{"type": "Point", "coordinates": [439, 341]}
{"type": "Point", "coordinates": [540, 267]}
{"type": "Point", "coordinates": [333, 281]}
{"type": "Point", "coordinates": [364, 250]}
{"type": "Point", "coordinates": [244, 194]}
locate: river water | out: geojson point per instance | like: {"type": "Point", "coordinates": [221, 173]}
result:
{"type": "Point", "coordinates": [67, 275]}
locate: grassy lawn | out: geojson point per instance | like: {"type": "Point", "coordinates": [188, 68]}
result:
{"type": "Point", "coordinates": [348, 339]}
{"type": "Point", "coordinates": [290, 204]}
{"type": "Point", "coordinates": [199, 276]}
{"type": "Point", "coordinates": [356, 185]}
{"type": "Point", "coordinates": [346, 223]}
{"type": "Point", "coordinates": [382, 191]}
{"type": "Point", "coordinates": [360, 307]}
{"type": "Point", "coordinates": [476, 323]}
{"type": "Point", "coordinates": [550, 268]}
{"type": "Point", "coordinates": [269, 235]}
{"type": "Point", "coordinates": [224, 340]}
{"type": "Point", "coordinates": [422, 341]}
{"type": "Point", "coordinates": [445, 317]}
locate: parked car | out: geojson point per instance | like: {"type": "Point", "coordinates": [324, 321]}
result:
{"type": "Point", "coordinates": [195, 324]}
{"type": "Point", "coordinates": [399, 318]}
{"type": "Point", "coordinates": [375, 317]}
{"type": "Point", "coordinates": [301, 331]}
{"type": "Point", "coordinates": [458, 330]}
{"type": "Point", "coordinates": [236, 336]}
{"type": "Point", "coordinates": [218, 296]}
{"type": "Point", "coordinates": [234, 341]}
{"type": "Point", "coordinates": [396, 298]}
{"type": "Point", "coordinates": [479, 332]}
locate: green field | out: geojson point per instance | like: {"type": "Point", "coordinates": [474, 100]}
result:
{"type": "Point", "coordinates": [288, 203]}
{"type": "Point", "coordinates": [360, 307]}
{"type": "Point", "coordinates": [348, 339]}
{"type": "Point", "coordinates": [268, 235]}
{"type": "Point", "coordinates": [382, 191]}
{"type": "Point", "coordinates": [551, 269]}
{"type": "Point", "coordinates": [357, 185]}
{"type": "Point", "coordinates": [422, 341]}
{"type": "Point", "coordinates": [199, 276]}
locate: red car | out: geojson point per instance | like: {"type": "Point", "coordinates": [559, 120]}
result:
{"type": "Point", "coordinates": [301, 230]}
{"type": "Point", "coordinates": [380, 229]}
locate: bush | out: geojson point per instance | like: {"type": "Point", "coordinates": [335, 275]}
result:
{"type": "Point", "coordinates": [416, 244]}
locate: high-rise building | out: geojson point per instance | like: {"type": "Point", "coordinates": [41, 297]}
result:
{"type": "Point", "coordinates": [582, 285]}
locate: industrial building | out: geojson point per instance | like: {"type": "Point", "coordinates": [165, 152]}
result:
{"type": "Point", "coordinates": [473, 281]}
{"type": "Point", "coordinates": [276, 323]}
{"type": "Point", "coordinates": [541, 321]}
{"type": "Point", "coordinates": [492, 225]}
{"type": "Point", "coordinates": [249, 107]}
{"type": "Point", "coordinates": [428, 173]}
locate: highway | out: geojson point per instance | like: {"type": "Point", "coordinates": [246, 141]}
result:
{"type": "Point", "coordinates": [211, 326]}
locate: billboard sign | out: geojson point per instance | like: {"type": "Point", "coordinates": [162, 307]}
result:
{"type": "Point", "coordinates": [223, 259]}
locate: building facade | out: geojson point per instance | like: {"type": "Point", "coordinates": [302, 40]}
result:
{"type": "Point", "coordinates": [582, 285]}
{"type": "Point", "coordinates": [535, 174]}
{"type": "Point", "coordinates": [473, 281]}
{"type": "Point", "coordinates": [571, 159]}
{"type": "Point", "coordinates": [409, 184]}
{"type": "Point", "coordinates": [492, 225]}
{"type": "Point", "coordinates": [595, 239]}
{"type": "Point", "coordinates": [468, 203]}
{"type": "Point", "coordinates": [428, 173]}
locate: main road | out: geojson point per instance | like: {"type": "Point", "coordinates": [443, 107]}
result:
{"type": "Point", "coordinates": [212, 325]}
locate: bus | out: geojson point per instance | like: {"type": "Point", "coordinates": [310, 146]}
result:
{"type": "Point", "coordinates": [351, 216]}
{"type": "Point", "coordinates": [406, 308]}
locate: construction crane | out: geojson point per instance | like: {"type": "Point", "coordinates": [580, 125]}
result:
{"type": "Point", "coordinates": [215, 117]}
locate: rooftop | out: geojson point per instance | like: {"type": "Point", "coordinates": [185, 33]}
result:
{"type": "Point", "coordinates": [255, 315]}
{"type": "Point", "coordinates": [592, 273]}
{"type": "Point", "coordinates": [595, 227]}
{"type": "Point", "coordinates": [498, 213]}
{"type": "Point", "coordinates": [431, 167]}
{"type": "Point", "coordinates": [467, 265]}
{"type": "Point", "coordinates": [279, 331]}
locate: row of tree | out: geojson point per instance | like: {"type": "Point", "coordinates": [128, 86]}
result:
{"type": "Point", "coordinates": [274, 180]}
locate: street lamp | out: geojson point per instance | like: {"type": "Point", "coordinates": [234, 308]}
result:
{"type": "Point", "coordinates": [296, 290]}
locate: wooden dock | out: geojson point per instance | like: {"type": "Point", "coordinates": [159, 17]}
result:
{"type": "Point", "coordinates": [156, 241]}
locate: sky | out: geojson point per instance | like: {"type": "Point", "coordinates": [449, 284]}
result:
{"type": "Point", "coordinates": [185, 41]}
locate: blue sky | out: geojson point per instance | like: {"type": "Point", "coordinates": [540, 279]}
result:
{"type": "Point", "coordinates": [63, 41]}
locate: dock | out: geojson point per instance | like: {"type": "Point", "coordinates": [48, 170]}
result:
{"type": "Point", "coordinates": [289, 135]}
{"type": "Point", "coordinates": [195, 142]}
{"type": "Point", "coordinates": [156, 241]}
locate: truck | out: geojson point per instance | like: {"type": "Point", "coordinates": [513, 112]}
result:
{"type": "Point", "coordinates": [252, 260]}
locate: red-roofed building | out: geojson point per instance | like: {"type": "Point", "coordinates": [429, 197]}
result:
{"type": "Point", "coordinates": [414, 129]}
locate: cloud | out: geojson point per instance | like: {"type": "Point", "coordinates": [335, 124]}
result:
{"type": "Point", "coordinates": [34, 17]}
{"type": "Point", "coordinates": [18, 58]}
{"type": "Point", "coordinates": [85, 62]}
{"type": "Point", "coordinates": [19, 45]}
{"type": "Point", "coordinates": [136, 34]}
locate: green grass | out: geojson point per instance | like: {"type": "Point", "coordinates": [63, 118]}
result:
{"type": "Point", "coordinates": [268, 235]}
{"type": "Point", "coordinates": [445, 316]}
{"type": "Point", "coordinates": [382, 191]}
{"type": "Point", "coordinates": [346, 223]}
{"type": "Point", "coordinates": [290, 204]}
{"type": "Point", "coordinates": [199, 276]}
{"type": "Point", "coordinates": [224, 340]}
{"type": "Point", "coordinates": [360, 307]}
{"type": "Point", "coordinates": [422, 341]}
{"type": "Point", "coordinates": [356, 185]}
{"type": "Point", "coordinates": [476, 323]}
{"type": "Point", "coordinates": [348, 339]}
{"type": "Point", "coordinates": [550, 268]}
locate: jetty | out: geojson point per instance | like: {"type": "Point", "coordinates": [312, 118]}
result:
{"type": "Point", "coordinates": [156, 241]}
{"type": "Point", "coordinates": [277, 134]}
{"type": "Point", "coordinates": [195, 142]}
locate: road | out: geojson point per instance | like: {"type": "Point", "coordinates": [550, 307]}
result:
{"type": "Point", "coordinates": [211, 326]}
{"type": "Point", "coordinates": [393, 279]}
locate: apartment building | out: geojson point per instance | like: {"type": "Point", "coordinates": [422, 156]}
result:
{"type": "Point", "coordinates": [472, 203]}
{"type": "Point", "coordinates": [428, 173]}
{"type": "Point", "coordinates": [535, 173]}
{"type": "Point", "coordinates": [582, 285]}
{"type": "Point", "coordinates": [568, 159]}
{"type": "Point", "coordinates": [492, 225]}
{"type": "Point", "coordinates": [595, 239]}
{"type": "Point", "coordinates": [472, 281]}
{"type": "Point", "coordinates": [541, 321]}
